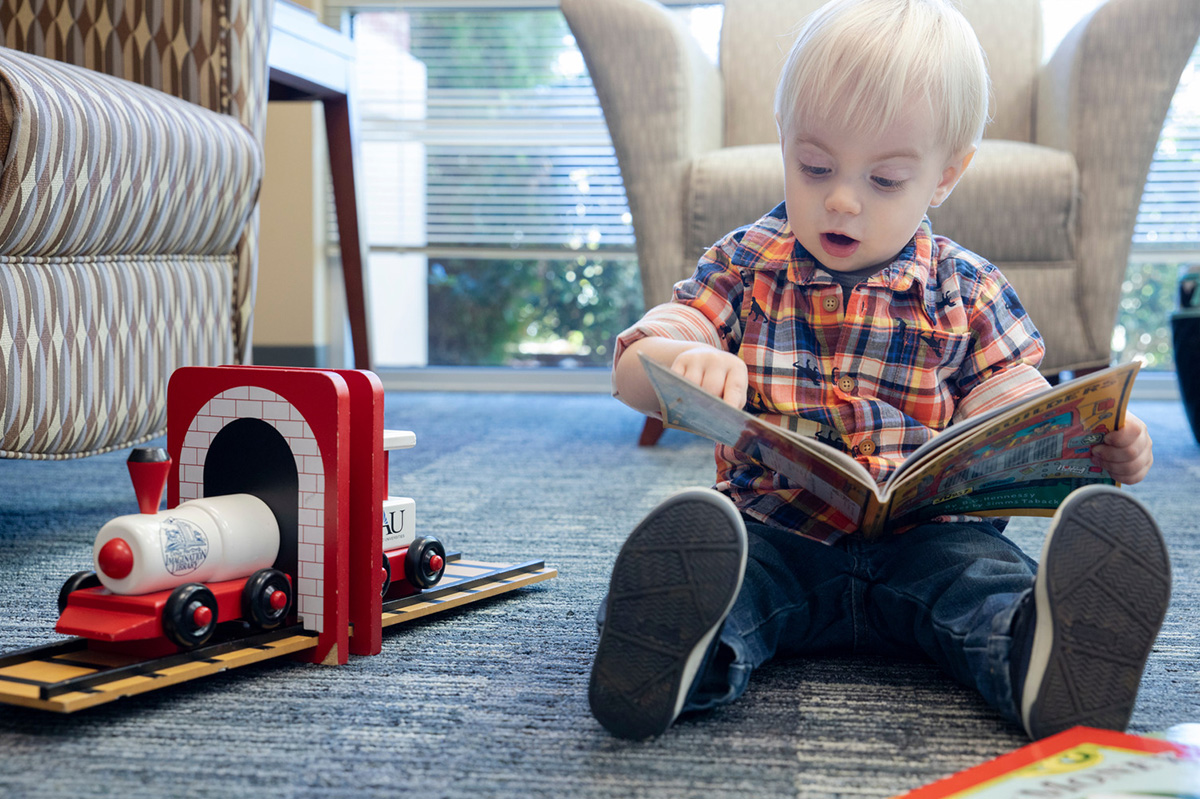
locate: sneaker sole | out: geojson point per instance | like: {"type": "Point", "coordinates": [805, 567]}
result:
{"type": "Point", "coordinates": [1104, 583]}
{"type": "Point", "coordinates": [673, 583]}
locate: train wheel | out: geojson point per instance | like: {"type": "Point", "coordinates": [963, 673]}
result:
{"type": "Point", "coordinates": [78, 580]}
{"type": "Point", "coordinates": [425, 562]}
{"type": "Point", "coordinates": [266, 599]}
{"type": "Point", "coordinates": [387, 576]}
{"type": "Point", "coordinates": [190, 616]}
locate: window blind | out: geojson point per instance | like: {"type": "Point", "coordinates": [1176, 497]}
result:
{"type": "Point", "coordinates": [1169, 216]}
{"type": "Point", "coordinates": [483, 126]}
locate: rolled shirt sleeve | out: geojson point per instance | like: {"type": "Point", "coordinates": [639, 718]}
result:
{"type": "Point", "coordinates": [704, 308]}
{"type": "Point", "coordinates": [1002, 364]}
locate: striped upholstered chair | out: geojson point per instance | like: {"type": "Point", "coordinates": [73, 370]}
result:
{"type": "Point", "coordinates": [131, 136]}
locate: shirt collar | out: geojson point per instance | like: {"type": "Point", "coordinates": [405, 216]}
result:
{"type": "Point", "coordinates": [915, 264]}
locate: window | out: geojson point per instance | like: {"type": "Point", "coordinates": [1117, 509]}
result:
{"type": "Point", "coordinates": [498, 224]}
{"type": "Point", "coordinates": [1166, 239]}
{"type": "Point", "coordinates": [498, 227]}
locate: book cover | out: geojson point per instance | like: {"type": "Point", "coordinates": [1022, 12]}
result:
{"type": "Point", "coordinates": [1080, 762]}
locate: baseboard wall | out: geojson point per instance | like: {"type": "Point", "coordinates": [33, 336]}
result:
{"type": "Point", "coordinates": [1148, 386]}
{"type": "Point", "coordinates": [315, 356]}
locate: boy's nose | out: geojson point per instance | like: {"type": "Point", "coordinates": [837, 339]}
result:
{"type": "Point", "coordinates": [842, 200]}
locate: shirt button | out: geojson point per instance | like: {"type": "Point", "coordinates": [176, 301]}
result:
{"type": "Point", "coordinates": [831, 304]}
{"type": "Point", "coordinates": [846, 384]}
{"type": "Point", "coordinates": [867, 447]}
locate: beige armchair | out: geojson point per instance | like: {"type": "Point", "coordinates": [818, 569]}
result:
{"type": "Point", "coordinates": [1051, 197]}
{"type": "Point", "coordinates": [131, 136]}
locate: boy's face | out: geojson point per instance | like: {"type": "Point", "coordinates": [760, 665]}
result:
{"type": "Point", "coordinates": [855, 200]}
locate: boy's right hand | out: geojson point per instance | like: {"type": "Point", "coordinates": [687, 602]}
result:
{"type": "Point", "coordinates": [716, 371]}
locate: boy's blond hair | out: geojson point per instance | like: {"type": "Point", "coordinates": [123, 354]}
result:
{"type": "Point", "coordinates": [858, 63]}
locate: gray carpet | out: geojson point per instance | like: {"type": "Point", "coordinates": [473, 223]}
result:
{"type": "Point", "coordinates": [490, 701]}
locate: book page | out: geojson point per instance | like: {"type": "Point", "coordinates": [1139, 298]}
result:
{"type": "Point", "coordinates": [1021, 460]}
{"type": "Point", "coordinates": [822, 470]}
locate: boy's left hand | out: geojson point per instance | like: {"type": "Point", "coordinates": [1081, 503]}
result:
{"type": "Point", "coordinates": [1126, 454]}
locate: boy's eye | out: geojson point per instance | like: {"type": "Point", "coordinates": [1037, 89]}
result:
{"type": "Point", "coordinates": [887, 183]}
{"type": "Point", "coordinates": [814, 171]}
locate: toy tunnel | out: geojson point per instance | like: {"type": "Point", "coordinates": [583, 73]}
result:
{"type": "Point", "coordinates": [286, 436]}
{"type": "Point", "coordinates": [264, 447]}
{"type": "Point", "coordinates": [250, 456]}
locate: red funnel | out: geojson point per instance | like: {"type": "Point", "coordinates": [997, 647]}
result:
{"type": "Point", "coordinates": [148, 468]}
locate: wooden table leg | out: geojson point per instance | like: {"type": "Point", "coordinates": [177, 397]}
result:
{"type": "Point", "coordinates": [338, 123]}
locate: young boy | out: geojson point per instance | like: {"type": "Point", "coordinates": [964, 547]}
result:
{"type": "Point", "coordinates": [840, 307]}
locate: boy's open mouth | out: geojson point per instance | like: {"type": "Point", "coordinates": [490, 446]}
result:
{"type": "Point", "coordinates": [838, 245]}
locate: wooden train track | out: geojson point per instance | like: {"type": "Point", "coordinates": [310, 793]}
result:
{"type": "Point", "coordinates": [465, 582]}
{"type": "Point", "coordinates": [69, 675]}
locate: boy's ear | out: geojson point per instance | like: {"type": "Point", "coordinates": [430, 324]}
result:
{"type": "Point", "coordinates": [951, 175]}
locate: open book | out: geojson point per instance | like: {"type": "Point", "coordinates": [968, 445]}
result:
{"type": "Point", "coordinates": [1023, 459]}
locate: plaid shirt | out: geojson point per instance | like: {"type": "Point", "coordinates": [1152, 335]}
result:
{"type": "Point", "coordinates": [937, 335]}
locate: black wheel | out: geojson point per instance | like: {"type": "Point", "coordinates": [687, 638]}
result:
{"type": "Point", "coordinates": [190, 616]}
{"type": "Point", "coordinates": [266, 599]}
{"type": "Point", "coordinates": [78, 580]}
{"type": "Point", "coordinates": [425, 562]}
{"type": "Point", "coordinates": [387, 576]}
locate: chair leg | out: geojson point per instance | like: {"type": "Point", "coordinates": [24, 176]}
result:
{"type": "Point", "coordinates": [651, 432]}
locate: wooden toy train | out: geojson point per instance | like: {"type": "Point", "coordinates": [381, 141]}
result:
{"type": "Point", "coordinates": [278, 533]}
{"type": "Point", "coordinates": [177, 574]}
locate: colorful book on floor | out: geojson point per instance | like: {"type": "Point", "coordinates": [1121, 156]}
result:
{"type": "Point", "coordinates": [1081, 762]}
{"type": "Point", "coordinates": [1023, 459]}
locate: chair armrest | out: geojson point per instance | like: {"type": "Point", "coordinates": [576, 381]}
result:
{"type": "Point", "coordinates": [1119, 66]}
{"type": "Point", "coordinates": [96, 165]}
{"type": "Point", "coordinates": [212, 54]}
{"type": "Point", "coordinates": [1103, 96]}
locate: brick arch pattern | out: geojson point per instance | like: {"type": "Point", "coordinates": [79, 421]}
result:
{"type": "Point", "coordinates": [253, 402]}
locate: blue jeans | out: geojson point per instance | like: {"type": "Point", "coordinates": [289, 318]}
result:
{"type": "Point", "coordinates": [944, 591]}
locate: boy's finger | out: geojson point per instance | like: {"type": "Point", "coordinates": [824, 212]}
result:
{"type": "Point", "coordinates": [1121, 456]}
{"type": "Point", "coordinates": [1129, 475]}
{"type": "Point", "coordinates": [713, 382]}
{"type": "Point", "coordinates": [1123, 437]}
{"type": "Point", "coordinates": [735, 390]}
{"type": "Point", "coordinates": [1131, 431]}
{"type": "Point", "coordinates": [1126, 466]}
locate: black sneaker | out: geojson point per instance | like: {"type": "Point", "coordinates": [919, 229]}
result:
{"type": "Point", "coordinates": [672, 586]}
{"type": "Point", "coordinates": [1101, 593]}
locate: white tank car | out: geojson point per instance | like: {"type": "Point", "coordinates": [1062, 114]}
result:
{"type": "Point", "coordinates": [399, 522]}
{"type": "Point", "coordinates": [203, 540]}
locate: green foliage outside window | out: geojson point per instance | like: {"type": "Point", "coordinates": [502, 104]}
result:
{"type": "Point", "coordinates": [530, 312]}
{"type": "Point", "coordinates": [1143, 329]}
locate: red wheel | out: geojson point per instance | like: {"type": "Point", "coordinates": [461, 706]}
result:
{"type": "Point", "coordinates": [266, 599]}
{"type": "Point", "coordinates": [425, 562]}
{"type": "Point", "coordinates": [190, 616]}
